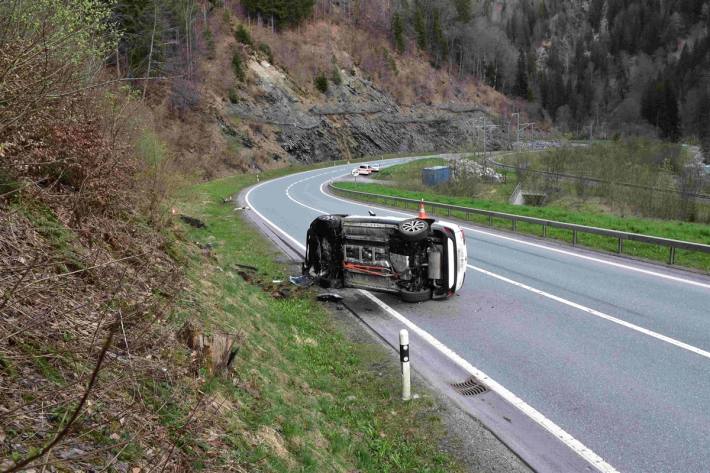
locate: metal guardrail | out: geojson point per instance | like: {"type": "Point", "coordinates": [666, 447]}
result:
{"type": "Point", "coordinates": [545, 224]}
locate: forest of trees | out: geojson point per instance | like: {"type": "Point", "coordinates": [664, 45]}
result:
{"type": "Point", "coordinates": [629, 66]}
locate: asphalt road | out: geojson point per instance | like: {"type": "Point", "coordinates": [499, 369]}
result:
{"type": "Point", "coordinates": [613, 351]}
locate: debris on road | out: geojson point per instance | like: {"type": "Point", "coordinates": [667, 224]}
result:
{"type": "Point", "coordinates": [329, 297]}
{"type": "Point", "coordinates": [301, 281]}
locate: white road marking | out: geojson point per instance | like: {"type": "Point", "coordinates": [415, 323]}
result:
{"type": "Point", "coordinates": [288, 193]}
{"type": "Point", "coordinates": [538, 245]}
{"type": "Point", "coordinates": [596, 313]}
{"type": "Point", "coordinates": [574, 444]}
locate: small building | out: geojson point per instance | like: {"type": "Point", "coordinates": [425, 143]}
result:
{"type": "Point", "coordinates": [436, 175]}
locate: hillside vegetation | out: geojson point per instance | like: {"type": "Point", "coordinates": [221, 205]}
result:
{"type": "Point", "coordinates": [124, 345]}
{"type": "Point", "coordinates": [596, 67]}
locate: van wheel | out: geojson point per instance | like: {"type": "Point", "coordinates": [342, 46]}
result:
{"type": "Point", "coordinates": [413, 229]}
{"type": "Point", "coordinates": [415, 296]}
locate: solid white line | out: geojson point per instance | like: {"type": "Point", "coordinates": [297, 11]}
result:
{"type": "Point", "coordinates": [574, 444]}
{"type": "Point", "coordinates": [544, 247]}
{"type": "Point", "coordinates": [288, 193]}
{"type": "Point", "coordinates": [596, 313]}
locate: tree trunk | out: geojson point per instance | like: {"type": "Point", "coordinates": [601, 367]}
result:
{"type": "Point", "coordinates": [150, 54]}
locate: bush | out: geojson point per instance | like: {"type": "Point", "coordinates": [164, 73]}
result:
{"type": "Point", "coordinates": [238, 66]}
{"type": "Point", "coordinates": [321, 82]}
{"type": "Point", "coordinates": [335, 76]}
{"type": "Point", "coordinates": [243, 36]}
{"type": "Point", "coordinates": [8, 185]}
{"type": "Point", "coordinates": [209, 43]}
{"type": "Point", "coordinates": [184, 96]}
{"type": "Point", "coordinates": [233, 97]}
{"type": "Point", "coordinates": [266, 49]}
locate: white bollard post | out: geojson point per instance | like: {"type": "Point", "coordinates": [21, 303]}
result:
{"type": "Point", "coordinates": [404, 359]}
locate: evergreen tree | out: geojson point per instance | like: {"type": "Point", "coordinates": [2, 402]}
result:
{"type": "Point", "coordinates": [439, 44]}
{"type": "Point", "coordinates": [282, 12]}
{"type": "Point", "coordinates": [659, 106]}
{"type": "Point", "coordinates": [596, 8]}
{"type": "Point", "coordinates": [521, 78]}
{"type": "Point", "coordinates": [420, 27]}
{"type": "Point", "coordinates": [463, 10]}
{"type": "Point", "coordinates": [398, 32]}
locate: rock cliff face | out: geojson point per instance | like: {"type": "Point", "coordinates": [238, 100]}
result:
{"type": "Point", "coordinates": [354, 118]}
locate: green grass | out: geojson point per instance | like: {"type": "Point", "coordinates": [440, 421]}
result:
{"type": "Point", "coordinates": [409, 176]}
{"type": "Point", "coordinates": [308, 398]}
{"type": "Point", "coordinates": [667, 229]}
{"type": "Point", "coordinates": [408, 172]}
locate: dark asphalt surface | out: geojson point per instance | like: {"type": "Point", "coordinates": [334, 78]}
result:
{"type": "Point", "coordinates": [640, 403]}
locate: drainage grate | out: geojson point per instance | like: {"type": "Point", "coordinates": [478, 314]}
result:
{"type": "Point", "coordinates": [470, 387]}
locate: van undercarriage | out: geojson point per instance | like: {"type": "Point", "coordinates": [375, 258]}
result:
{"type": "Point", "coordinates": [405, 257]}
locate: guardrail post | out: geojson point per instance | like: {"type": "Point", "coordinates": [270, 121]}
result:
{"type": "Point", "coordinates": [490, 220]}
{"type": "Point", "coordinates": [574, 237]}
{"type": "Point", "coordinates": [515, 224]}
{"type": "Point", "coordinates": [620, 246]}
{"type": "Point", "coordinates": [404, 359]}
{"type": "Point", "coordinates": [671, 255]}
{"type": "Point", "coordinates": [544, 230]}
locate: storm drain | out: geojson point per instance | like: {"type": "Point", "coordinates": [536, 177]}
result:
{"type": "Point", "coordinates": [470, 387]}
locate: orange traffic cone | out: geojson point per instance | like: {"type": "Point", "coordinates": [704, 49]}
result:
{"type": "Point", "coordinates": [422, 212]}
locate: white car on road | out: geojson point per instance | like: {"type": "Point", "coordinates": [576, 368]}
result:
{"type": "Point", "coordinates": [365, 170]}
{"type": "Point", "coordinates": [417, 258]}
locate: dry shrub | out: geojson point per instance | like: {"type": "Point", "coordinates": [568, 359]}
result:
{"type": "Point", "coordinates": [184, 97]}
{"type": "Point", "coordinates": [88, 363]}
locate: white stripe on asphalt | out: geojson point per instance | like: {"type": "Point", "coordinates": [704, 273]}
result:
{"type": "Point", "coordinates": [596, 313]}
{"type": "Point", "coordinates": [574, 444]}
{"type": "Point", "coordinates": [288, 194]}
{"type": "Point", "coordinates": [537, 245]}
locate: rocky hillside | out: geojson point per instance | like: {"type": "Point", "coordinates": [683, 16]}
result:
{"type": "Point", "coordinates": [353, 117]}
{"type": "Point", "coordinates": [264, 98]}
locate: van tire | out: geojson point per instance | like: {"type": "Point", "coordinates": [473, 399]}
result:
{"type": "Point", "coordinates": [413, 229]}
{"type": "Point", "coordinates": [415, 296]}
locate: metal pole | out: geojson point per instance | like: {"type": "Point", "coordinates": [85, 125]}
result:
{"type": "Point", "coordinates": [404, 359]}
{"type": "Point", "coordinates": [517, 135]}
{"type": "Point", "coordinates": [484, 141]}
{"type": "Point", "coordinates": [671, 256]}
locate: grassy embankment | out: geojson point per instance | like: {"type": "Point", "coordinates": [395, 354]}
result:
{"type": "Point", "coordinates": [401, 177]}
{"type": "Point", "coordinates": [308, 398]}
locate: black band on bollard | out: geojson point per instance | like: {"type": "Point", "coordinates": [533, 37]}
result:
{"type": "Point", "coordinates": [403, 353]}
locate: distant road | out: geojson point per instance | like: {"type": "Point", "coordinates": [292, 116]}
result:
{"type": "Point", "coordinates": [614, 352]}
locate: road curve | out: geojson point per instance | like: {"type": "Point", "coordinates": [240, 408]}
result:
{"type": "Point", "coordinates": [613, 351]}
